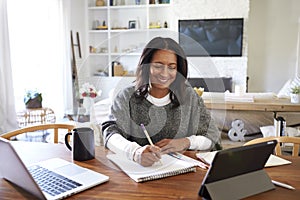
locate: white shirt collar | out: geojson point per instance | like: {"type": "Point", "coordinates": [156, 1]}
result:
{"type": "Point", "coordinates": [159, 101]}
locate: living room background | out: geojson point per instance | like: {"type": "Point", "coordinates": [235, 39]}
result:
{"type": "Point", "coordinates": [268, 59]}
{"type": "Point", "coordinates": [266, 53]}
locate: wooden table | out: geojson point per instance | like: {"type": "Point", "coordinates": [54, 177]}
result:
{"type": "Point", "coordinates": [253, 115]}
{"type": "Point", "coordinates": [120, 186]}
{"type": "Point", "coordinates": [272, 105]}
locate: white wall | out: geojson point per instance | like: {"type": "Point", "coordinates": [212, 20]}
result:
{"type": "Point", "coordinates": [236, 67]}
{"type": "Point", "coordinates": [78, 25]}
{"type": "Point", "coordinates": [272, 30]}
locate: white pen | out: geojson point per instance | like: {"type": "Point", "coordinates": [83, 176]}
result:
{"type": "Point", "coordinates": [283, 185]}
{"type": "Point", "coordinates": [147, 135]}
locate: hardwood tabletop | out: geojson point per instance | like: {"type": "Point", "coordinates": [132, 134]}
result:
{"type": "Point", "coordinates": [266, 106]}
{"type": "Point", "coordinates": [120, 186]}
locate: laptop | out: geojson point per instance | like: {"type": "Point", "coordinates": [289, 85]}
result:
{"type": "Point", "coordinates": [238, 172]}
{"type": "Point", "coordinates": [70, 177]}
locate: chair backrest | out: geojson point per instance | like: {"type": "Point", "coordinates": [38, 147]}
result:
{"type": "Point", "coordinates": [283, 139]}
{"type": "Point", "coordinates": [54, 127]}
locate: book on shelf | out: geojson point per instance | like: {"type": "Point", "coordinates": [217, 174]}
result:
{"type": "Point", "coordinates": [169, 166]}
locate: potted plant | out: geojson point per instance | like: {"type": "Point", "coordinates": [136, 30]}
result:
{"type": "Point", "coordinates": [33, 99]}
{"type": "Point", "coordinates": [295, 94]}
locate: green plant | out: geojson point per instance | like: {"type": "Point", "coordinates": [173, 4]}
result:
{"type": "Point", "coordinates": [295, 90]}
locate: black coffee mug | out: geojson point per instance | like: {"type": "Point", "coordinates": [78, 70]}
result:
{"type": "Point", "coordinates": [83, 143]}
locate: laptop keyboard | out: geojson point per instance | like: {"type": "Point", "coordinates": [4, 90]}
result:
{"type": "Point", "coordinates": [51, 182]}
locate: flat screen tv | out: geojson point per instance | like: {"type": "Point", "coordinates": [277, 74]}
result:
{"type": "Point", "coordinates": [211, 37]}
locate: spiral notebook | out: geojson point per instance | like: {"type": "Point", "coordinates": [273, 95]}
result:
{"type": "Point", "coordinates": [169, 166]}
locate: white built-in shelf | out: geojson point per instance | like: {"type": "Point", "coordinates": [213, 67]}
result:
{"type": "Point", "coordinates": [128, 7]}
{"type": "Point", "coordinates": [98, 8]}
{"type": "Point", "coordinates": [113, 40]}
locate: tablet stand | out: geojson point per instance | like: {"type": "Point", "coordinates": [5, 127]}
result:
{"type": "Point", "coordinates": [241, 186]}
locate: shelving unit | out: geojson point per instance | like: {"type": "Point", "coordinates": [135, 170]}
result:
{"type": "Point", "coordinates": [118, 32]}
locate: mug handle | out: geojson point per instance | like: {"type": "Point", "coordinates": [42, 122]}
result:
{"type": "Point", "coordinates": [67, 141]}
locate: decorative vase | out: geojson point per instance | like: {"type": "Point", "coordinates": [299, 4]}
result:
{"type": "Point", "coordinates": [100, 3]}
{"type": "Point", "coordinates": [295, 98]}
{"type": "Point", "coordinates": [87, 104]}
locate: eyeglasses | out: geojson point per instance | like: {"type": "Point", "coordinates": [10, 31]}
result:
{"type": "Point", "coordinates": [160, 67]}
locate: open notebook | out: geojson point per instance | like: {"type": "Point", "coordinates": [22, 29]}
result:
{"type": "Point", "coordinates": [169, 166]}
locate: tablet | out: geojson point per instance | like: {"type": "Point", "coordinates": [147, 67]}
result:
{"type": "Point", "coordinates": [233, 171]}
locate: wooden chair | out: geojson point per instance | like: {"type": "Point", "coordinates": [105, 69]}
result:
{"type": "Point", "coordinates": [283, 139]}
{"type": "Point", "coordinates": [54, 127]}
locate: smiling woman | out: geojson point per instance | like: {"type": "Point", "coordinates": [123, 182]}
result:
{"type": "Point", "coordinates": [172, 112]}
{"type": "Point", "coordinates": [39, 53]}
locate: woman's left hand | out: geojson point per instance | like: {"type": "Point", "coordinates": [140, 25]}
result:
{"type": "Point", "coordinates": [173, 145]}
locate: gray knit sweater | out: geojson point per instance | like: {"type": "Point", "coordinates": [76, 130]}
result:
{"type": "Point", "coordinates": [190, 118]}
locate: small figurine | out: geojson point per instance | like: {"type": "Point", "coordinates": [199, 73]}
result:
{"type": "Point", "coordinates": [103, 27]}
{"type": "Point", "coordinates": [166, 24]}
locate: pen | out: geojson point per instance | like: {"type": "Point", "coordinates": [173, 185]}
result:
{"type": "Point", "coordinates": [283, 185]}
{"type": "Point", "coordinates": [175, 155]}
{"type": "Point", "coordinates": [188, 159]}
{"type": "Point", "coordinates": [148, 137]}
{"type": "Point", "coordinates": [203, 161]}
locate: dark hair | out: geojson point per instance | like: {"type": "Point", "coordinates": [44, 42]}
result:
{"type": "Point", "coordinates": [177, 88]}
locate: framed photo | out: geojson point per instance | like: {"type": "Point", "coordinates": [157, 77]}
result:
{"type": "Point", "coordinates": [132, 24]}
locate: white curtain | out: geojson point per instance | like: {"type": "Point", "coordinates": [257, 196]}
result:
{"type": "Point", "coordinates": [7, 106]}
{"type": "Point", "coordinates": [66, 19]}
{"type": "Point", "coordinates": [298, 52]}
{"type": "Point", "coordinates": [41, 52]}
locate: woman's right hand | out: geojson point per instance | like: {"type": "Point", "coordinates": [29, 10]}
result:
{"type": "Point", "coordinates": [147, 155]}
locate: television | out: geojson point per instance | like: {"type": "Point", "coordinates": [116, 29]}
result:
{"type": "Point", "coordinates": [211, 37]}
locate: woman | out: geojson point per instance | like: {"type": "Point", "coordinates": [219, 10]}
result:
{"type": "Point", "coordinates": [173, 114]}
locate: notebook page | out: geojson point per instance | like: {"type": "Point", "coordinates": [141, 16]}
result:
{"type": "Point", "coordinates": [276, 161]}
{"type": "Point", "coordinates": [170, 167]}
{"type": "Point", "coordinates": [206, 156]}
{"type": "Point", "coordinates": [272, 161]}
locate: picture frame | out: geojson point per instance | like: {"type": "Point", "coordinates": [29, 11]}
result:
{"type": "Point", "coordinates": [132, 24]}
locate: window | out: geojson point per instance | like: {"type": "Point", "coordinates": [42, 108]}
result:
{"type": "Point", "coordinates": [38, 51]}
